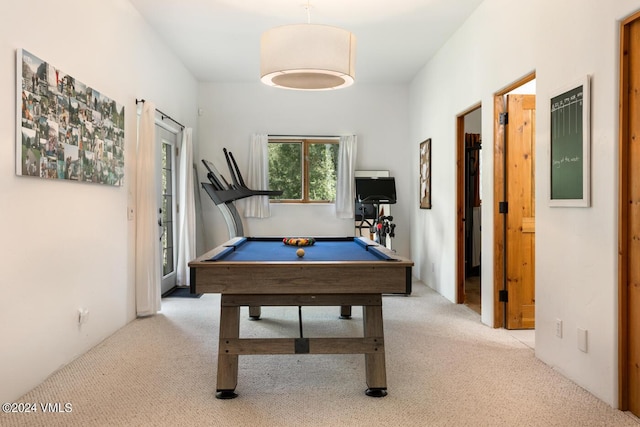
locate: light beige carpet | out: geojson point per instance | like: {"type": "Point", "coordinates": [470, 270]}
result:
{"type": "Point", "coordinates": [444, 368]}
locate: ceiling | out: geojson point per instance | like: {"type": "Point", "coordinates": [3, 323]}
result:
{"type": "Point", "coordinates": [219, 40]}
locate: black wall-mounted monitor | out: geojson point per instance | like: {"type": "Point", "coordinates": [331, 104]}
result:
{"type": "Point", "coordinates": [376, 190]}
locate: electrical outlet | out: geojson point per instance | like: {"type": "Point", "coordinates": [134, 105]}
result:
{"type": "Point", "coordinates": [582, 339]}
{"type": "Point", "coordinates": [130, 213]}
{"type": "Point", "coordinates": [83, 315]}
{"type": "Point", "coordinates": [558, 328]}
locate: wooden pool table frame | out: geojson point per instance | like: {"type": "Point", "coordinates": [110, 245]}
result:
{"type": "Point", "coordinates": [300, 283]}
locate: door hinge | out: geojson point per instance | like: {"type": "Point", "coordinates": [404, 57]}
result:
{"type": "Point", "coordinates": [177, 152]}
{"type": "Point", "coordinates": [503, 207]}
{"type": "Point", "coordinates": [503, 295]}
{"type": "Point", "coordinates": [504, 118]}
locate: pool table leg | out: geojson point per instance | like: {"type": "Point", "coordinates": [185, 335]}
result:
{"type": "Point", "coordinates": [254, 312]}
{"type": "Point", "coordinates": [345, 312]}
{"type": "Point", "coordinates": [375, 362]}
{"type": "Point", "coordinates": [227, 363]}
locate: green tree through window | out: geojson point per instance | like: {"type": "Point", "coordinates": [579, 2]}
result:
{"type": "Point", "coordinates": [285, 169]}
{"type": "Point", "coordinates": [304, 169]}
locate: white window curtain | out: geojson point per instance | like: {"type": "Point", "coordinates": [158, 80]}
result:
{"type": "Point", "coordinates": [345, 185]}
{"type": "Point", "coordinates": [258, 177]}
{"type": "Point", "coordinates": [187, 214]}
{"type": "Point", "coordinates": [148, 267]}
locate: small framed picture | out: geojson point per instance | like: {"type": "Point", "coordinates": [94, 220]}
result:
{"type": "Point", "coordinates": [425, 174]}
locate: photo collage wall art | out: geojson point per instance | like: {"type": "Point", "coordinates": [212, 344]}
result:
{"type": "Point", "coordinates": [66, 129]}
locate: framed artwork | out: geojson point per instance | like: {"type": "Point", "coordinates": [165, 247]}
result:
{"type": "Point", "coordinates": [570, 146]}
{"type": "Point", "coordinates": [425, 174]}
{"type": "Point", "coordinates": [65, 129]}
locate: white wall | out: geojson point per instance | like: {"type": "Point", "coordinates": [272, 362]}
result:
{"type": "Point", "coordinates": [473, 122]}
{"type": "Point", "coordinates": [378, 115]}
{"type": "Point", "coordinates": [576, 249]}
{"type": "Point", "coordinates": [68, 245]}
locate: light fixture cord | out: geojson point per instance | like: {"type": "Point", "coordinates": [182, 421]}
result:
{"type": "Point", "coordinates": [308, 7]}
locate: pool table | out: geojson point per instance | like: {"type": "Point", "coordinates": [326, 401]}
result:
{"type": "Point", "coordinates": [255, 272]}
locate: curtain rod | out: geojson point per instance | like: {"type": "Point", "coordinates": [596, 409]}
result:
{"type": "Point", "coordinates": [164, 115]}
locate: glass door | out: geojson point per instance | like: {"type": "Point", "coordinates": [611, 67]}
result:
{"type": "Point", "coordinates": [167, 141]}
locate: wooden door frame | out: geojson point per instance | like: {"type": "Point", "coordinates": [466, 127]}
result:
{"type": "Point", "coordinates": [623, 219]}
{"type": "Point", "coordinates": [460, 220]}
{"type": "Point", "coordinates": [498, 194]}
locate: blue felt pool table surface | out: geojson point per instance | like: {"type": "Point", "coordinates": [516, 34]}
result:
{"type": "Point", "coordinates": [324, 249]}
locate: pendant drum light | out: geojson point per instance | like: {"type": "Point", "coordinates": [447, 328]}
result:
{"type": "Point", "coordinates": [307, 57]}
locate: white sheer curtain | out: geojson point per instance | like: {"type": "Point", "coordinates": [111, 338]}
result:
{"type": "Point", "coordinates": [345, 185]}
{"type": "Point", "coordinates": [258, 177]}
{"type": "Point", "coordinates": [187, 214]}
{"type": "Point", "coordinates": [147, 231]}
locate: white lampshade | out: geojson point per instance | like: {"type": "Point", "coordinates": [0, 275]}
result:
{"type": "Point", "coordinates": [307, 57]}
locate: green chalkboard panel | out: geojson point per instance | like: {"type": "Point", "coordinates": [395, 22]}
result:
{"type": "Point", "coordinates": [570, 146]}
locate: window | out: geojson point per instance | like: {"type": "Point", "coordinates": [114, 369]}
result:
{"type": "Point", "coordinates": [168, 201]}
{"type": "Point", "coordinates": [166, 178]}
{"type": "Point", "coordinates": [304, 169]}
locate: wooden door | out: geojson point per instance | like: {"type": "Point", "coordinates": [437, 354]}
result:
{"type": "Point", "coordinates": [520, 216]}
{"type": "Point", "coordinates": [629, 221]}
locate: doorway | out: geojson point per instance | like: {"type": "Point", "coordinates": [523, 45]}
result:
{"type": "Point", "coordinates": [629, 218]}
{"type": "Point", "coordinates": [514, 205]}
{"type": "Point", "coordinates": [166, 184]}
{"type": "Point", "coordinates": [469, 198]}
